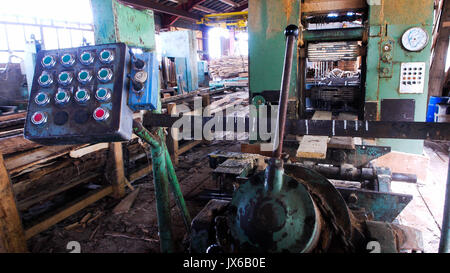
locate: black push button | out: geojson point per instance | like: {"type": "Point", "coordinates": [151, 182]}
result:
{"type": "Point", "coordinates": [61, 118]}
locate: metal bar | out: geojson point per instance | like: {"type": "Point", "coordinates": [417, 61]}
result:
{"type": "Point", "coordinates": [333, 35]}
{"type": "Point", "coordinates": [372, 129]}
{"type": "Point", "coordinates": [291, 35]}
{"type": "Point", "coordinates": [444, 244]}
{"type": "Point", "coordinates": [404, 177]}
{"type": "Point", "coordinates": [142, 4]}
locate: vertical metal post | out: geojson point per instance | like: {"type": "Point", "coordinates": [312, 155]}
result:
{"type": "Point", "coordinates": [444, 244]}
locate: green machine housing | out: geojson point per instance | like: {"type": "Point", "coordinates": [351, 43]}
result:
{"type": "Point", "coordinates": [386, 94]}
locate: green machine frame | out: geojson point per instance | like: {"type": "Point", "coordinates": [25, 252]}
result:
{"type": "Point", "coordinates": [387, 22]}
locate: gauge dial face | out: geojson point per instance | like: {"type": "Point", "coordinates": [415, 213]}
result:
{"type": "Point", "coordinates": [415, 39]}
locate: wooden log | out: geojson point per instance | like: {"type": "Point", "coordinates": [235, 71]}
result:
{"type": "Point", "coordinates": [12, 238]}
{"type": "Point", "coordinates": [71, 209]}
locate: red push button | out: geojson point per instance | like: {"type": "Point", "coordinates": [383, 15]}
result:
{"type": "Point", "coordinates": [101, 114]}
{"type": "Point", "coordinates": [39, 118]}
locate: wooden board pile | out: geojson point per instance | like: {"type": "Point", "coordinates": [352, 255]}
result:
{"type": "Point", "coordinates": [42, 175]}
{"type": "Point", "coordinates": [228, 67]}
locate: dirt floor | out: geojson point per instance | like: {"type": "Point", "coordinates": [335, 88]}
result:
{"type": "Point", "coordinates": [136, 230]}
{"type": "Point", "coordinates": [425, 211]}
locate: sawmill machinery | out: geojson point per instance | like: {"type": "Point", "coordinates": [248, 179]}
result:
{"type": "Point", "coordinates": [369, 58]}
{"type": "Point", "coordinates": [88, 94]}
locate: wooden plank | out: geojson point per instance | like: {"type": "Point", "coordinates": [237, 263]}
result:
{"type": "Point", "coordinates": [56, 218]}
{"type": "Point", "coordinates": [115, 169]}
{"type": "Point", "coordinates": [87, 150]}
{"type": "Point", "coordinates": [14, 144]}
{"type": "Point", "coordinates": [12, 238]}
{"type": "Point", "coordinates": [172, 138]}
{"type": "Point", "coordinates": [322, 115]}
{"type": "Point", "coordinates": [30, 201]}
{"type": "Point", "coordinates": [437, 67]}
{"type": "Point", "coordinates": [140, 173]}
{"type": "Point", "coordinates": [22, 161]}
{"type": "Point", "coordinates": [126, 203]}
{"type": "Point", "coordinates": [13, 116]}
{"type": "Point", "coordinates": [315, 146]}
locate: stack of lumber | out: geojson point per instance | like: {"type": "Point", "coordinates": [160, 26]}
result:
{"type": "Point", "coordinates": [228, 67]}
{"type": "Point", "coordinates": [40, 173]}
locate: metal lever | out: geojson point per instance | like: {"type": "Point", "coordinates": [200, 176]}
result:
{"type": "Point", "coordinates": [291, 33]}
{"type": "Point", "coordinates": [274, 172]}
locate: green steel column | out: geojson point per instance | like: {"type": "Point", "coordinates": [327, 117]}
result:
{"type": "Point", "coordinates": [114, 23]}
{"type": "Point", "coordinates": [267, 21]}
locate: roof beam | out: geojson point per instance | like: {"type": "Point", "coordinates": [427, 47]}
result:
{"type": "Point", "coordinates": [239, 8]}
{"type": "Point", "coordinates": [229, 2]}
{"type": "Point", "coordinates": [189, 6]}
{"type": "Point", "coordinates": [198, 7]}
{"type": "Point", "coordinates": [143, 4]}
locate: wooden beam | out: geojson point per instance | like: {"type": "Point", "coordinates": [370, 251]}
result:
{"type": "Point", "coordinates": [143, 4]}
{"type": "Point", "coordinates": [115, 169]}
{"type": "Point", "coordinates": [12, 238]}
{"type": "Point", "coordinates": [437, 68]}
{"type": "Point", "coordinates": [56, 218]}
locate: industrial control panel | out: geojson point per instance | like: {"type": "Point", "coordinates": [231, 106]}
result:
{"type": "Point", "coordinates": [412, 78]}
{"type": "Point", "coordinates": [79, 95]}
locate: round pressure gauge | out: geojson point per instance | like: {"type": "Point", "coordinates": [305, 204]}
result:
{"type": "Point", "coordinates": [415, 39]}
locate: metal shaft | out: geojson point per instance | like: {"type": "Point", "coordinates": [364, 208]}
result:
{"type": "Point", "coordinates": [291, 33]}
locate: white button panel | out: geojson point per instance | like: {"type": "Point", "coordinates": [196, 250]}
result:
{"type": "Point", "coordinates": [412, 78]}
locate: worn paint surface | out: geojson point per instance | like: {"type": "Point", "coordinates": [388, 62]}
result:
{"type": "Point", "coordinates": [114, 22]}
{"type": "Point", "coordinates": [267, 21]}
{"type": "Point", "coordinates": [388, 22]}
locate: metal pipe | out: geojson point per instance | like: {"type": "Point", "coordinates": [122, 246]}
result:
{"type": "Point", "coordinates": [404, 177]}
{"type": "Point", "coordinates": [291, 33]}
{"type": "Point", "coordinates": [444, 244]}
{"type": "Point", "coordinates": [161, 182]}
{"type": "Point", "coordinates": [176, 190]}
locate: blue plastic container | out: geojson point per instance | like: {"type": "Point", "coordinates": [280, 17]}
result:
{"type": "Point", "coordinates": [432, 107]}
